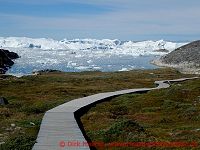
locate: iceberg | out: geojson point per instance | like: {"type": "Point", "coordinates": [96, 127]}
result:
{"type": "Point", "coordinates": [82, 54]}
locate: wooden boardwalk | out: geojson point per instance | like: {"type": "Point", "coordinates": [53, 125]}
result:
{"type": "Point", "coordinates": [59, 129]}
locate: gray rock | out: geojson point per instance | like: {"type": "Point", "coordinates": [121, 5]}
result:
{"type": "Point", "coordinates": [12, 125]}
{"type": "Point", "coordinates": [186, 53]}
{"type": "Point", "coordinates": [18, 128]}
{"type": "Point", "coordinates": [3, 101]}
{"type": "Point", "coordinates": [186, 58]}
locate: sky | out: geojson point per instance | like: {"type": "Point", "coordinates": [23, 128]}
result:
{"type": "Point", "coordinates": [175, 20]}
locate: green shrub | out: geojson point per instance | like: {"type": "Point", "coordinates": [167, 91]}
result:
{"type": "Point", "coordinates": [117, 111]}
{"type": "Point", "coordinates": [37, 108]}
{"type": "Point", "coordinates": [5, 112]}
{"type": "Point", "coordinates": [122, 129]}
{"type": "Point", "coordinates": [24, 142]}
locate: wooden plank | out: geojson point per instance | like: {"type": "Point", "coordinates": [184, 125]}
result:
{"type": "Point", "coordinates": [59, 124]}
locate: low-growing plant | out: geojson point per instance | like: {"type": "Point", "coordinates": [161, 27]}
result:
{"type": "Point", "coordinates": [20, 142]}
{"type": "Point", "coordinates": [118, 111]}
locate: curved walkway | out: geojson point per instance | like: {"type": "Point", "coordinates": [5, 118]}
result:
{"type": "Point", "coordinates": [59, 125]}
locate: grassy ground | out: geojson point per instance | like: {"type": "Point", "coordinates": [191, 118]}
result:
{"type": "Point", "coordinates": [30, 96]}
{"type": "Point", "coordinates": [166, 115]}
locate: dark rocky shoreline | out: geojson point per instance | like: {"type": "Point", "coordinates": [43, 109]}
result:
{"type": "Point", "coordinates": [6, 60]}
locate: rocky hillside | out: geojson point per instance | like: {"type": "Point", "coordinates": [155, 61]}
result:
{"type": "Point", "coordinates": [185, 58]}
{"type": "Point", "coordinates": [6, 60]}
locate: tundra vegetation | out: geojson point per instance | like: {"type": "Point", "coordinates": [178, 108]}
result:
{"type": "Point", "coordinates": [170, 114]}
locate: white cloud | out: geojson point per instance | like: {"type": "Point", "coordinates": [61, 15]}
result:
{"type": "Point", "coordinates": [123, 21]}
{"type": "Point", "coordinates": [166, 19]}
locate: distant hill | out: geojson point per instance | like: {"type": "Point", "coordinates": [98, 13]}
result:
{"type": "Point", "coordinates": [185, 58]}
{"type": "Point", "coordinates": [6, 60]}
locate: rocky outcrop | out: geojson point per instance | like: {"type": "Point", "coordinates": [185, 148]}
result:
{"type": "Point", "coordinates": [6, 60]}
{"type": "Point", "coordinates": [186, 58]}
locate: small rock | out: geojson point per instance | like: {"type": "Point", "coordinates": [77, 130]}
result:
{"type": "Point", "coordinates": [12, 125]}
{"type": "Point", "coordinates": [171, 134]}
{"type": "Point", "coordinates": [18, 128]}
{"type": "Point", "coordinates": [8, 129]}
{"type": "Point", "coordinates": [197, 129]}
{"type": "Point", "coordinates": [3, 101]}
{"type": "Point", "coordinates": [31, 123]}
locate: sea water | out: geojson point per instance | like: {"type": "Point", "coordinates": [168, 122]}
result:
{"type": "Point", "coordinates": [67, 61]}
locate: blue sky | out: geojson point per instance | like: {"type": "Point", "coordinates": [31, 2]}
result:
{"type": "Point", "coordinates": [176, 20]}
